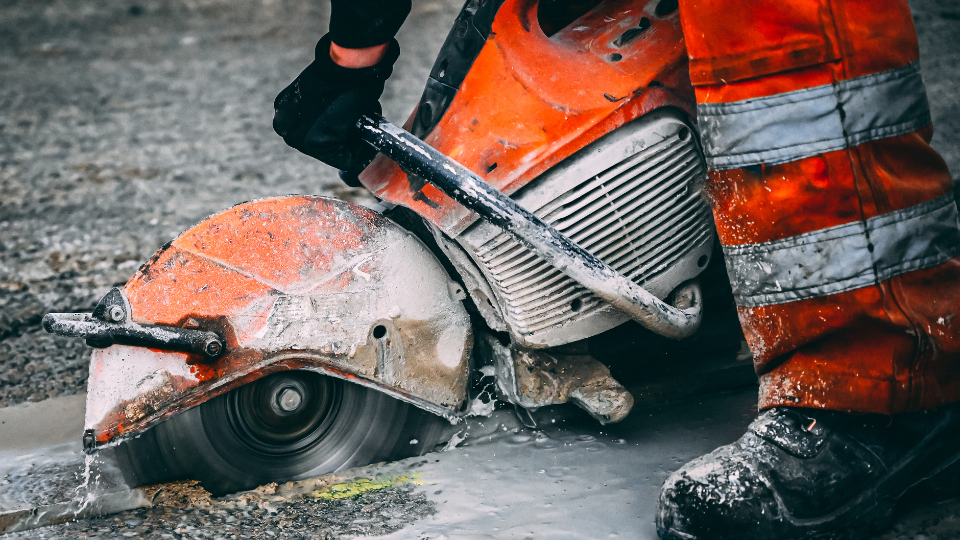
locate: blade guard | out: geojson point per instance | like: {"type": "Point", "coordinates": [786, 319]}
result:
{"type": "Point", "coordinates": [288, 283]}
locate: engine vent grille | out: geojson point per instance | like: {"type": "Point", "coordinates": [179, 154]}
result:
{"type": "Point", "coordinates": [640, 216]}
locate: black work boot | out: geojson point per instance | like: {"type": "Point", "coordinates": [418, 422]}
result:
{"type": "Point", "coordinates": [811, 474]}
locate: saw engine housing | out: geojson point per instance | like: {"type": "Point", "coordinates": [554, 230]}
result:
{"type": "Point", "coordinates": [633, 199]}
{"type": "Point", "coordinates": [588, 128]}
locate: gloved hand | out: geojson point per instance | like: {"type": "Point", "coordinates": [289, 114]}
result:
{"type": "Point", "coordinates": [317, 114]}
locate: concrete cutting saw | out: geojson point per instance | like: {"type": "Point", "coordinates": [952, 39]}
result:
{"type": "Point", "coordinates": [544, 192]}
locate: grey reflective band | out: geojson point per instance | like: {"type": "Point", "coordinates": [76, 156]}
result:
{"type": "Point", "coordinates": [794, 125]}
{"type": "Point", "coordinates": [844, 257]}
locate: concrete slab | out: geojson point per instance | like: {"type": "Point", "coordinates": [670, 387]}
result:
{"type": "Point", "coordinates": [27, 427]}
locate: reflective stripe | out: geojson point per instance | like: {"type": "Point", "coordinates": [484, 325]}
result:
{"type": "Point", "coordinates": [844, 257]}
{"type": "Point", "coordinates": [794, 125]}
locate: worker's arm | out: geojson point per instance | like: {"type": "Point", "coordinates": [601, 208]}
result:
{"type": "Point", "coordinates": [317, 112]}
{"type": "Point", "coordinates": [356, 24]}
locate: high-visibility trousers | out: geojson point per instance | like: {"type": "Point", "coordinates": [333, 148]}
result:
{"type": "Point", "coordinates": [837, 218]}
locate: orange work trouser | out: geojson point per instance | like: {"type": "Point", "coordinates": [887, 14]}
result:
{"type": "Point", "coordinates": [837, 218]}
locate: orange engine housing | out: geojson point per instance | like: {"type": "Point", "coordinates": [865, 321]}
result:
{"type": "Point", "coordinates": [529, 101]}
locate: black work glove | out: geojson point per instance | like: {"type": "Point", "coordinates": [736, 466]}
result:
{"type": "Point", "coordinates": [318, 113]}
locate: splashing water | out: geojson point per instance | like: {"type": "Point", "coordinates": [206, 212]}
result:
{"type": "Point", "coordinates": [455, 440]}
{"type": "Point", "coordinates": [85, 492]}
{"type": "Point", "coordinates": [478, 406]}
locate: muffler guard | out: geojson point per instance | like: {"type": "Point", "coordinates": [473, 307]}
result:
{"type": "Point", "coordinates": [287, 283]}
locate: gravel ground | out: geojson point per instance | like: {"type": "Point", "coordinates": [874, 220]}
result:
{"type": "Point", "coordinates": [374, 513]}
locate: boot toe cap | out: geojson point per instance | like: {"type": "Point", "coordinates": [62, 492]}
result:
{"type": "Point", "coordinates": [715, 497]}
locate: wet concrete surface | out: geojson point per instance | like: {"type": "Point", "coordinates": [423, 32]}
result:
{"type": "Point", "coordinates": [125, 122]}
{"type": "Point", "coordinates": [41, 461]}
{"type": "Point", "coordinates": [566, 479]}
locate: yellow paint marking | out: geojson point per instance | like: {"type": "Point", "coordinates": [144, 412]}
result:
{"type": "Point", "coordinates": [363, 485]}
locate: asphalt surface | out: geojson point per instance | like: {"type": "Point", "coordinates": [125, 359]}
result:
{"type": "Point", "coordinates": [123, 123]}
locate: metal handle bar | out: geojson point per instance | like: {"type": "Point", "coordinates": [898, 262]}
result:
{"type": "Point", "coordinates": [461, 184]}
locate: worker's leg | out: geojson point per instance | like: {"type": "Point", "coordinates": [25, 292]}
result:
{"type": "Point", "coordinates": [841, 240]}
{"type": "Point", "coordinates": [837, 218]}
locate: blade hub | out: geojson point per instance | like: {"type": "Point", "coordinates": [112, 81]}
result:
{"type": "Point", "coordinates": [285, 412]}
{"type": "Point", "coordinates": [289, 399]}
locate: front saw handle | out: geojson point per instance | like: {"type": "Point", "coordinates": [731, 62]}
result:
{"type": "Point", "coordinates": [463, 185]}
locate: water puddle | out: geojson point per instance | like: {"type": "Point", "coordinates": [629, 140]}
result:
{"type": "Point", "coordinates": [568, 478]}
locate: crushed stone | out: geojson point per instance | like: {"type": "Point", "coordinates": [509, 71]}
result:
{"type": "Point", "coordinates": [373, 513]}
